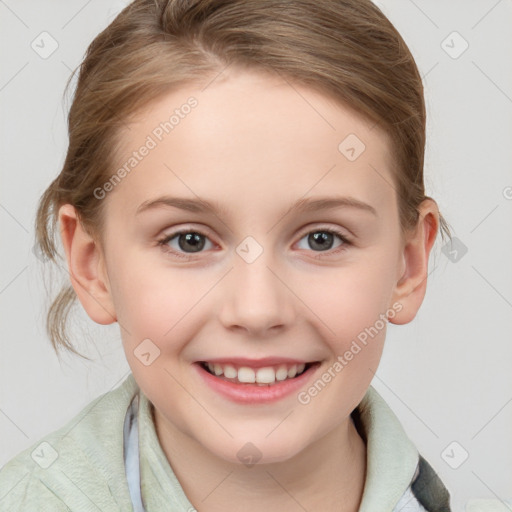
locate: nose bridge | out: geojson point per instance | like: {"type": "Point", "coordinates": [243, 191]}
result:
{"type": "Point", "coordinates": [255, 297]}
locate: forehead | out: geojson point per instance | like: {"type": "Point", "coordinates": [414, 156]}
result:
{"type": "Point", "coordinates": [249, 140]}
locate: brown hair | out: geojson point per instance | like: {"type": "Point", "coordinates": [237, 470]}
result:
{"type": "Point", "coordinates": [345, 49]}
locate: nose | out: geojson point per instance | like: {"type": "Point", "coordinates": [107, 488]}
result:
{"type": "Point", "coordinates": [255, 297]}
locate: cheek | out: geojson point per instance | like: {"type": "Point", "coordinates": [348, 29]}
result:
{"type": "Point", "coordinates": [351, 299]}
{"type": "Point", "coordinates": [148, 301]}
{"type": "Point", "coordinates": [167, 306]}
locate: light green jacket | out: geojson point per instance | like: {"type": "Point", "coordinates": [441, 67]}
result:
{"type": "Point", "coordinates": [80, 467]}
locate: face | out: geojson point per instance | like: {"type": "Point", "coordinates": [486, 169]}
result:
{"type": "Point", "coordinates": [262, 276]}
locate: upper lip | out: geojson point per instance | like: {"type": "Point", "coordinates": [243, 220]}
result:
{"type": "Point", "coordinates": [255, 363]}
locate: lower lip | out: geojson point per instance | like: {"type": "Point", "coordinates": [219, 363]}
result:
{"type": "Point", "coordinates": [246, 393]}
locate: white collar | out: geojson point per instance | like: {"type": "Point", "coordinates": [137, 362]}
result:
{"type": "Point", "coordinates": [131, 454]}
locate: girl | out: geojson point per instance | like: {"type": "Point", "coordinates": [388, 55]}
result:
{"type": "Point", "coordinates": [243, 194]}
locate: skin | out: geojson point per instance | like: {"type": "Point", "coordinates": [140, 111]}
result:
{"type": "Point", "coordinates": [256, 158]}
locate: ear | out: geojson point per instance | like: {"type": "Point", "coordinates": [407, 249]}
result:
{"type": "Point", "coordinates": [86, 267]}
{"type": "Point", "coordinates": [412, 280]}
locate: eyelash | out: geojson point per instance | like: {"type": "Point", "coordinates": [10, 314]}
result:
{"type": "Point", "coordinates": [190, 256]}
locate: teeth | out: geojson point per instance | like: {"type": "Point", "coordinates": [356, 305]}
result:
{"type": "Point", "coordinates": [230, 372]}
{"type": "Point", "coordinates": [265, 375]}
{"type": "Point", "coordinates": [246, 374]}
{"type": "Point", "coordinates": [282, 373]}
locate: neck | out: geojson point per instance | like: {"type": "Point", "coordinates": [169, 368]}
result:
{"type": "Point", "coordinates": [328, 475]}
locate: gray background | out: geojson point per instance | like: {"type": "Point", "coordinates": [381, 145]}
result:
{"type": "Point", "coordinates": [447, 375]}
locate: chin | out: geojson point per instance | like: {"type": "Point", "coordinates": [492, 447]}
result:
{"type": "Point", "coordinates": [255, 450]}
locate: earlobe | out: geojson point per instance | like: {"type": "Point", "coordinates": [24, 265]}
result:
{"type": "Point", "coordinates": [412, 284]}
{"type": "Point", "coordinates": [86, 267]}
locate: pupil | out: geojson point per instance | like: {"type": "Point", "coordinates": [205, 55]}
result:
{"type": "Point", "coordinates": [320, 236]}
{"type": "Point", "coordinates": [191, 238]}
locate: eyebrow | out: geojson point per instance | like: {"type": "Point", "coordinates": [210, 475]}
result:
{"type": "Point", "coordinates": [302, 205]}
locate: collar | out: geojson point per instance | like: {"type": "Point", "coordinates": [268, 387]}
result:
{"type": "Point", "coordinates": [392, 459]}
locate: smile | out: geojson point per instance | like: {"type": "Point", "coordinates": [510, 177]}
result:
{"type": "Point", "coordinates": [266, 375]}
{"type": "Point", "coordinates": [256, 385]}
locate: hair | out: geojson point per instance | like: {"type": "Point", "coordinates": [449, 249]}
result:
{"type": "Point", "coordinates": [345, 49]}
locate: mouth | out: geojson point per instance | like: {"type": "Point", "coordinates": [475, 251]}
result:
{"type": "Point", "coordinates": [268, 376]}
{"type": "Point", "coordinates": [252, 382]}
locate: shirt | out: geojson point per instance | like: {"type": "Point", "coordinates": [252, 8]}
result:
{"type": "Point", "coordinates": [108, 458]}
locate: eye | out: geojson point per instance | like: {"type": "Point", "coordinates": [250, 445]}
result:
{"type": "Point", "coordinates": [187, 239]}
{"type": "Point", "coordinates": [193, 240]}
{"type": "Point", "coordinates": [322, 239]}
